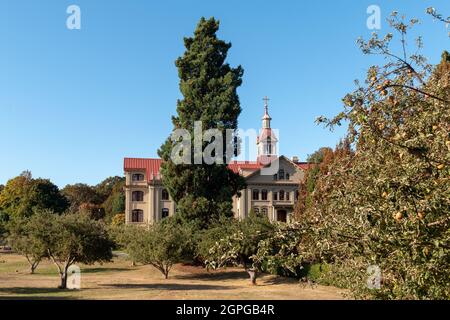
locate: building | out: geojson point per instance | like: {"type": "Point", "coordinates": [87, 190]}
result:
{"type": "Point", "coordinates": [271, 194]}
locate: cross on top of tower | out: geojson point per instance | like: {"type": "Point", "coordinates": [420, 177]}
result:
{"type": "Point", "coordinates": [266, 104]}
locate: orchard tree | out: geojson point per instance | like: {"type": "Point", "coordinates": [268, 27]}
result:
{"type": "Point", "coordinates": [27, 237]}
{"type": "Point", "coordinates": [75, 238]}
{"type": "Point", "coordinates": [209, 88]}
{"type": "Point", "coordinates": [240, 246]}
{"type": "Point", "coordinates": [387, 205]}
{"type": "Point", "coordinates": [161, 245]}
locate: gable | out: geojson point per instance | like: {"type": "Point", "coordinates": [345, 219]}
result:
{"type": "Point", "coordinates": [265, 175]}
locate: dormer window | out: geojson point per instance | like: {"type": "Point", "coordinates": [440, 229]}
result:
{"type": "Point", "coordinates": [137, 177]}
{"type": "Point", "coordinates": [281, 174]}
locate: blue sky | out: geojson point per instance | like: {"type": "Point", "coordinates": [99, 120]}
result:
{"type": "Point", "coordinates": [73, 103]}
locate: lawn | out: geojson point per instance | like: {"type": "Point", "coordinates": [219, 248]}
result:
{"type": "Point", "coordinates": [119, 280]}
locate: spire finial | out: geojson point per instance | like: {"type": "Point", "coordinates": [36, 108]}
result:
{"type": "Point", "coordinates": [266, 105]}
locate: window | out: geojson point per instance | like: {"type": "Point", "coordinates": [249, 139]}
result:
{"type": "Point", "coordinates": [287, 176]}
{"type": "Point", "coordinates": [256, 211]}
{"type": "Point", "coordinates": [137, 177]}
{"type": "Point", "coordinates": [288, 195]}
{"type": "Point", "coordinates": [255, 194]}
{"type": "Point", "coordinates": [281, 174]}
{"type": "Point", "coordinates": [297, 194]}
{"type": "Point", "coordinates": [275, 177]}
{"type": "Point", "coordinates": [281, 195]}
{"type": "Point", "coordinates": [137, 215]}
{"type": "Point", "coordinates": [264, 194]}
{"type": "Point", "coordinates": [275, 196]}
{"type": "Point", "coordinates": [165, 195]}
{"type": "Point", "coordinates": [137, 196]}
{"type": "Point", "coordinates": [164, 213]}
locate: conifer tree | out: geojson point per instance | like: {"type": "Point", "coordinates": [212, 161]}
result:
{"type": "Point", "coordinates": [208, 84]}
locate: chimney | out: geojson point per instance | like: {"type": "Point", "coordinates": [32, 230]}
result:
{"type": "Point", "coordinates": [295, 159]}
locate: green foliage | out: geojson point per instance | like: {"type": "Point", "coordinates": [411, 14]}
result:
{"type": "Point", "coordinates": [240, 246]}
{"type": "Point", "coordinates": [118, 220]}
{"type": "Point", "coordinates": [387, 205]}
{"type": "Point", "coordinates": [26, 238]}
{"type": "Point", "coordinates": [161, 245]}
{"type": "Point", "coordinates": [79, 194]}
{"type": "Point", "coordinates": [23, 194]}
{"type": "Point", "coordinates": [216, 231]}
{"type": "Point", "coordinates": [72, 238]}
{"type": "Point", "coordinates": [318, 156]}
{"type": "Point", "coordinates": [102, 201]}
{"type": "Point", "coordinates": [204, 192]}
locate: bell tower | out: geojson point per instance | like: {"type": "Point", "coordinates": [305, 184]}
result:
{"type": "Point", "coordinates": [266, 141]}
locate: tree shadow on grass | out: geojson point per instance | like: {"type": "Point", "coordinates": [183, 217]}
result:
{"type": "Point", "coordinates": [100, 269]}
{"type": "Point", "coordinates": [16, 293]}
{"type": "Point", "coordinates": [214, 276]}
{"type": "Point", "coordinates": [170, 286]}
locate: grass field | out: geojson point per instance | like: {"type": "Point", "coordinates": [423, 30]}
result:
{"type": "Point", "coordinates": [119, 280]}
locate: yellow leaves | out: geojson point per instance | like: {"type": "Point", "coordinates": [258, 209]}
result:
{"type": "Point", "coordinates": [441, 166]}
{"type": "Point", "coordinates": [384, 194]}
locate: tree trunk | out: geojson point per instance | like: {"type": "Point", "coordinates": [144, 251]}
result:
{"type": "Point", "coordinates": [253, 275]}
{"type": "Point", "coordinates": [63, 280]}
{"type": "Point", "coordinates": [33, 267]}
{"type": "Point", "coordinates": [64, 276]}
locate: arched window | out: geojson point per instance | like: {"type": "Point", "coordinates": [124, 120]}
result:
{"type": "Point", "coordinates": [281, 174]}
{"type": "Point", "coordinates": [275, 196]}
{"type": "Point", "coordinates": [255, 194]}
{"type": "Point", "coordinates": [288, 195]}
{"type": "Point", "coordinates": [281, 195]}
{"type": "Point", "coordinates": [137, 215]}
{"type": "Point", "coordinates": [165, 195]}
{"type": "Point", "coordinates": [137, 177]}
{"type": "Point", "coordinates": [137, 196]}
{"type": "Point", "coordinates": [164, 213]}
{"type": "Point", "coordinates": [287, 176]}
{"type": "Point", "coordinates": [264, 194]}
{"type": "Point", "coordinates": [269, 146]}
{"type": "Point", "coordinates": [256, 210]}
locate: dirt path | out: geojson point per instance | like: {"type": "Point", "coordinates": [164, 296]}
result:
{"type": "Point", "coordinates": [118, 280]}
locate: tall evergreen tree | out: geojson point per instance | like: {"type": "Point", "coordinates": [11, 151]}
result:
{"type": "Point", "coordinates": [208, 84]}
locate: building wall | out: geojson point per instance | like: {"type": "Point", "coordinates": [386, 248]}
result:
{"type": "Point", "coordinates": [153, 203]}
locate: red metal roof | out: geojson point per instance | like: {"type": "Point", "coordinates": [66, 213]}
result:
{"type": "Point", "coordinates": [152, 166]}
{"type": "Point", "coordinates": [236, 166]}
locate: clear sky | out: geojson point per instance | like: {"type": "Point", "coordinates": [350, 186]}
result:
{"type": "Point", "coordinates": [73, 103]}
